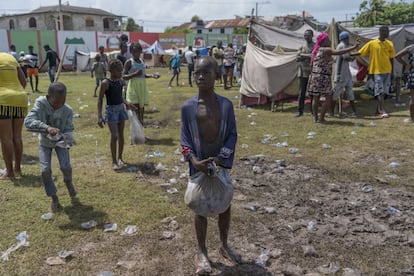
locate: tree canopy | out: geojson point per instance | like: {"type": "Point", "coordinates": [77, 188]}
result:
{"type": "Point", "coordinates": [381, 12]}
{"type": "Point", "coordinates": [131, 26]}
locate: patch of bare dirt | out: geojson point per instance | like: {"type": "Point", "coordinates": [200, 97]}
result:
{"type": "Point", "coordinates": [287, 219]}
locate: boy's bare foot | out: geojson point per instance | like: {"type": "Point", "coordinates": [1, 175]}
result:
{"type": "Point", "coordinates": [18, 173]}
{"type": "Point", "coordinates": [230, 255]}
{"type": "Point", "coordinates": [121, 163]}
{"type": "Point", "coordinates": [203, 264]}
{"type": "Point", "coordinates": [6, 177]}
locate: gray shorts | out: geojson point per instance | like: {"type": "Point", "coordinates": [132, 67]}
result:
{"type": "Point", "coordinates": [349, 92]}
{"type": "Point", "coordinates": [382, 84]}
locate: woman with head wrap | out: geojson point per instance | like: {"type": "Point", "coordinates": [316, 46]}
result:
{"type": "Point", "coordinates": [320, 78]}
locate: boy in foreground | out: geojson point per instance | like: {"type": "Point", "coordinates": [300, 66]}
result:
{"type": "Point", "coordinates": [52, 118]}
{"type": "Point", "coordinates": [208, 140]}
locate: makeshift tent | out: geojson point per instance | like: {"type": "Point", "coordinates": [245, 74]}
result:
{"type": "Point", "coordinates": [270, 67]}
{"type": "Point", "coordinates": [155, 49]}
{"type": "Point", "coordinates": [83, 61]}
{"type": "Point", "coordinates": [152, 54]}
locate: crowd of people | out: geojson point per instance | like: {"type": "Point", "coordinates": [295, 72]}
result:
{"type": "Point", "coordinates": [315, 72]}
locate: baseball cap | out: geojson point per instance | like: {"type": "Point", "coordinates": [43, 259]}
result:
{"type": "Point", "coordinates": [343, 35]}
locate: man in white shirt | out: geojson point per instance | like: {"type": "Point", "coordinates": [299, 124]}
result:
{"type": "Point", "coordinates": [189, 57]}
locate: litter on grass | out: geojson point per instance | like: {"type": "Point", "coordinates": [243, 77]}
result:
{"type": "Point", "coordinates": [22, 240]}
{"type": "Point", "coordinates": [88, 225]}
{"type": "Point", "coordinates": [130, 230]}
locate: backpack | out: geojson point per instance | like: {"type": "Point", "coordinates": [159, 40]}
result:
{"type": "Point", "coordinates": [174, 61]}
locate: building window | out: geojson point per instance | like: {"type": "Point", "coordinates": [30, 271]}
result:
{"type": "Point", "coordinates": [199, 31]}
{"type": "Point", "coordinates": [210, 30]}
{"type": "Point", "coordinates": [222, 30]}
{"type": "Point", "coordinates": [32, 22]}
{"type": "Point", "coordinates": [11, 24]}
{"type": "Point", "coordinates": [89, 22]}
{"type": "Point", "coordinates": [106, 23]}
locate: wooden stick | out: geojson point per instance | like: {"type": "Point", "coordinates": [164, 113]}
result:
{"type": "Point", "coordinates": [61, 63]}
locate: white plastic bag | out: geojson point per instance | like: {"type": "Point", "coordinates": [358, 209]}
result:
{"type": "Point", "coordinates": [135, 128]}
{"type": "Point", "coordinates": [209, 195]}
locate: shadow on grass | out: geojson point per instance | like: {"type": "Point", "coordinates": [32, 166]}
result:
{"type": "Point", "coordinates": [146, 168]}
{"type": "Point", "coordinates": [79, 213]}
{"type": "Point", "coordinates": [28, 180]}
{"type": "Point", "coordinates": [163, 141]}
{"type": "Point", "coordinates": [29, 159]}
{"type": "Point", "coordinates": [241, 269]}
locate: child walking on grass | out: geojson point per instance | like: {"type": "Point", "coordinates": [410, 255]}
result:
{"type": "Point", "coordinates": [115, 114]}
{"type": "Point", "coordinates": [52, 118]}
{"type": "Point", "coordinates": [134, 73]}
{"type": "Point", "coordinates": [99, 68]}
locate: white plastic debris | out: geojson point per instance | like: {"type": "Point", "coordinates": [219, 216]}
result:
{"type": "Point", "coordinates": [22, 240]}
{"type": "Point", "coordinates": [130, 230]}
{"type": "Point", "coordinates": [110, 227]}
{"type": "Point", "coordinates": [394, 165]}
{"type": "Point", "coordinates": [172, 191]}
{"type": "Point", "coordinates": [166, 235]}
{"type": "Point", "coordinates": [293, 150]}
{"type": "Point", "coordinates": [47, 216]}
{"type": "Point", "coordinates": [89, 224]}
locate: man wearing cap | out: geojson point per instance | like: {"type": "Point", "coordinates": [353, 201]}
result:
{"type": "Point", "coordinates": [304, 57]}
{"type": "Point", "coordinates": [33, 69]}
{"type": "Point", "coordinates": [343, 77]}
{"type": "Point", "coordinates": [124, 39]}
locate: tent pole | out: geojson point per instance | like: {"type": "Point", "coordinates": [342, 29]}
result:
{"type": "Point", "coordinates": [61, 62]}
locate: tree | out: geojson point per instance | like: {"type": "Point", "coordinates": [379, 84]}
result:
{"type": "Point", "coordinates": [381, 12]}
{"type": "Point", "coordinates": [195, 18]}
{"type": "Point", "coordinates": [131, 26]}
{"type": "Point", "coordinates": [177, 31]}
{"type": "Point", "coordinates": [371, 12]}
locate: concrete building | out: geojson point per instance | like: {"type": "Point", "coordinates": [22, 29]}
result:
{"type": "Point", "coordinates": [73, 19]}
{"type": "Point", "coordinates": [219, 26]}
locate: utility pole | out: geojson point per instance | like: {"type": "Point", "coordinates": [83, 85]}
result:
{"type": "Point", "coordinates": [257, 5]}
{"type": "Point", "coordinates": [60, 18]}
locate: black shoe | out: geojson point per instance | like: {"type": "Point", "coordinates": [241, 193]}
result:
{"type": "Point", "coordinates": [299, 114]}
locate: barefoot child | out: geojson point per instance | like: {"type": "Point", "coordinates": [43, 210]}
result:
{"type": "Point", "coordinates": [53, 119]}
{"type": "Point", "coordinates": [115, 114]}
{"type": "Point", "coordinates": [208, 141]}
{"type": "Point", "coordinates": [134, 73]}
{"type": "Point", "coordinates": [99, 68]}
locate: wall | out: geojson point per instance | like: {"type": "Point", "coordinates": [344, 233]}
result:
{"type": "Point", "coordinates": [90, 41]}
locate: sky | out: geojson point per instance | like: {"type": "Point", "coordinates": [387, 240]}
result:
{"type": "Point", "coordinates": [156, 15]}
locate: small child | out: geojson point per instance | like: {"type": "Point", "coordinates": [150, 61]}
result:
{"type": "Point", "coordinates": [175, 64]}
{"type": "Point", "coordinates": [99, 68]}
{"type": "Point", "coordinates": [134, 73]}
{"type": "Point", "coordinates": [53, 119]}
{"type": "Point", "coordinates": [115, 114]}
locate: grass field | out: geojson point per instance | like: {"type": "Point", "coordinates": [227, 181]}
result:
{"type": "Point", "coordinates": [359, 150]}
